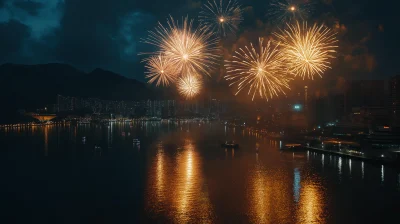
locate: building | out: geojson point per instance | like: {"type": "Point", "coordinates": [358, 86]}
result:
{"type": "Point", "coordinates": [145, 108]}
{"type": "Point", "coordinates": [305, 98]}
{"type": "Point", "coordinates": [394, 99]}
{"type": "Point", "coordinates": [365, 93]}
{"type": "Point", "coordinates": [171, 108]}
{"type": "Point", "coordinates": [64, 103]}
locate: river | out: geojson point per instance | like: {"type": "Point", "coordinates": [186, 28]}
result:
{"type": "Point", "coordinates": [181, 174]}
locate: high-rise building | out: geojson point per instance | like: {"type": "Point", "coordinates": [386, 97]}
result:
{"type": "Point", "coordinates": [305, 98]}
{"type": "Point", "coordinates": [365, 93]}
{"type": "Point", "coordinates": [394, 95]}
{"type": "Point", "coordinates": [64, 103]}
{"type": "Point", "coordinates": [171, 108]}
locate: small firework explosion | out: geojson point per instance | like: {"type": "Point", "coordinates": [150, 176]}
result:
{"type": "Point", "coordinates": [189, 85]}
{"type": "Point", "coordinates": [281, 11]}
{"type": "Point", "coordinates": [223, 17]}
{"type": "Point", "coordinates": [160, 70]}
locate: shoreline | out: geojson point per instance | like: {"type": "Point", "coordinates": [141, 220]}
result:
{"type": "Point", "coordinates": [376, 161]}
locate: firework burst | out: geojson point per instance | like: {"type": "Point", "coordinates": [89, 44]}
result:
{"type": "Point", "coordinates": [307, 49]}
{"type": "Point", "coordinates": [159, 69]}
{"type": "Point", "coordinates": [189, 50]}
{"type": "Point", "coordinates": [189, 85]}
{"type": "Point", "coordinates": [261, 71]}
{"type": "Point", "coordinates": [223, 17]}
{"type": "Point", "coordinates": [288, 10]}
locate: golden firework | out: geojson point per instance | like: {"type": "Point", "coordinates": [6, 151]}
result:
{"type": "Point", "coordinates": [223, 17]}
{"type": "Point", "coordinates": [287, 10]}
{"type": "Point", "coordinates": [159, 69]}
{"type": "Point", "coordinates": [262, 72]}
{"type": "Point", "coordinates": [307, 49]}
{"type": "Point", "coordinates": [189, 85]}
{"type": "Point", "coordinates": [189, 50]}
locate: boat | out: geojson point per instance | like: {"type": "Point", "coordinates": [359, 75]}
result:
{"type": "Point", "coordinates": [293, 146]}
{"type": "Point", "coordinates": [230, 144]}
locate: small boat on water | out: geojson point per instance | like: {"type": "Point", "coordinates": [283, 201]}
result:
{"type": "Point", "coordinates": [230, 144]}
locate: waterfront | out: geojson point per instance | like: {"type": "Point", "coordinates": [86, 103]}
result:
{"type": "Point", "coordinates": [181, 174]}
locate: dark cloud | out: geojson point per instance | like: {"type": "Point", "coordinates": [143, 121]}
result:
{"type": "Point", "coordinates": [107, 37]}
{"type": "Point", "coordinates": [31, 7]}
{"type": "Point", "coordinates": [41, 16]}
{"type": "Point", "coordinates": [11, 45]}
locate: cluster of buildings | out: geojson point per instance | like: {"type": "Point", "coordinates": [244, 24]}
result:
{"type": "Point", "coordinates": [147, 108]}
{"type": "Point", "coordinates": [367, 103]}
{"type": "Point", "coordinates": [363, 103]}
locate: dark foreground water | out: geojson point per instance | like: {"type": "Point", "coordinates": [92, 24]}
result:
{"type": "Point", "coordinates": [180, 174]}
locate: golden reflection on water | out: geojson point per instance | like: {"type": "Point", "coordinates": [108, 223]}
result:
{"type": "Point", "coordinates": [157, 181]}
{"type": "Point", "coordinates": [177, 185]}
{"type": "Point", "coordinates": [276, 197]}
{"type": "Point", "coordinates": [269, 200]}
{"type": "Point", "coordinates": [311, 204]}
{"type": "Point", "coordinates": [46, 140]}
{"type": "Point", "coordinates": [261, 199]}
{"type": "Point", "coordinates": [191, 199]}
{"type": "Point", "coordinates": [160, 174]}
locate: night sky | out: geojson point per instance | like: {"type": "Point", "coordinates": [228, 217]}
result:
{"type": "Point", "coordinates": [106, 33]}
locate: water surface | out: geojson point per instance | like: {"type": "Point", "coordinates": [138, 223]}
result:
{"type": "Point", "coordinates": [181, 174]}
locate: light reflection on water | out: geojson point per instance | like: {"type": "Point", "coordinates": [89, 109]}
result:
{"type": "Point", "coordinates": [296, 185]}
{"type": "Point", "coordinates": [178, 183]}
{"type": "Point", "coordinates": [311, 204]}
{"type": "Point", "coordinates": [189, 178]}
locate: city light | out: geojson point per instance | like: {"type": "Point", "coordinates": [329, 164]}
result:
{"type": "Point", "coordinates": [297, 107]}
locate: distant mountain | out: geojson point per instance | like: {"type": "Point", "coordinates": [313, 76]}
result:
{"type": "Point", "coordinates": [33, 86]}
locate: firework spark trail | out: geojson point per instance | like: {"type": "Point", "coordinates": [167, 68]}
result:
{"type": "Point", "coordinates": [159, 69]}
{"type": "Point", "coordinates": [262, 71]}
{"type": "Point", "coordinates": [307, 49]}
{"type": "Point", "coordinates": [288, 10]}
{"type": "Point", "coordinates": [223, 18]}
{"type": "Point", "coordinates": [189, 86]}
{"type": "Point", "coordinates": [189, 50]}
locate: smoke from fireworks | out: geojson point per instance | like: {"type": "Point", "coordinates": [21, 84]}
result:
{"type": "Point", "coordinates": [189, 50]}
{"type": "Point", "coordinates": [288, 10]}
{"type": "Point", "coordinates": [160, 70]}
{"type": "Point", "coordinates": [189, 85]}
{"type": "Point", "coordinates": [223, 17]}
{"type": "Point", "coordinates": [307, 49]}
{"type": "Point", "coordinates": [263, 71]}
